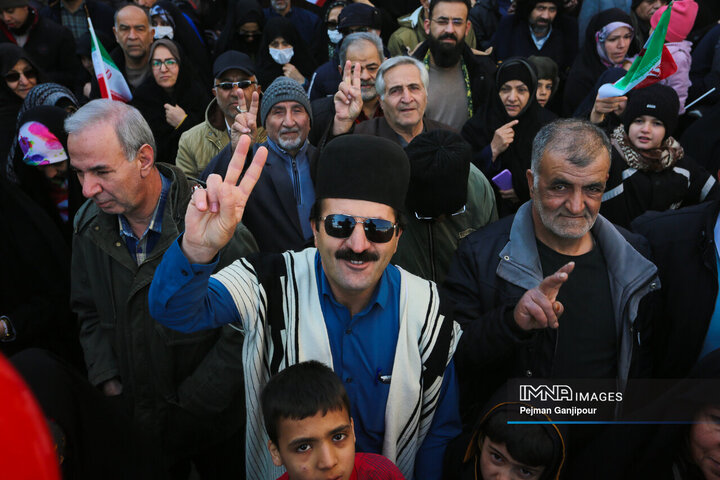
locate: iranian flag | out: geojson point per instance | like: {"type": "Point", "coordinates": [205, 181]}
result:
{"type": "Point", "coordinates": [319, 3]}
{"type": "Point", "coordinates": [652, 65]}
{"type": "Point", "coordinates": [111, 81]}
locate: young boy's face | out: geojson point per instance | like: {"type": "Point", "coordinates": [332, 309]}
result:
{"type": "Point", "coordinates": [496, 463]}
{"type": "Point", "coordinates": [316, 448]}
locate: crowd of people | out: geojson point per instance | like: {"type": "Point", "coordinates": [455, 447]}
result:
{"type": "Point", "coordinates": [328, 239]}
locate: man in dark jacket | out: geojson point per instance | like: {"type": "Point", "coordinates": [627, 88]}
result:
{"type": "Point", "coordinates": [511, 280]}
{"type": "Point", "coordinates": [73, 15]}
{"type": "Point", "coordinates": [134, 36]}
{"type": "Point", "coordinates": [537, 28]}
{"type": "Point", "coordinates": [278, 211]}
{"type": "Point", "coordinates": [684, 247]}
{"type": "Point", "coordinates": [485, 16]}
{"type": "Point", "coordinates": [460, 81]}
{"type": "Point", "coordinates": [179, 387]}
{"type": "Point", "coordinates": [49, 44]}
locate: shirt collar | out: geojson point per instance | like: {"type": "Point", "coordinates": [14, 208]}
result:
{"type": "Point", "coordinates": [380, 297]}
{"type": "Point", "coordinates": [539, 42]}
{"type": "Point", "coordinates": [155, 224]}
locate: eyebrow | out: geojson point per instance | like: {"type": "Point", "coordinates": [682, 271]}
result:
{"type": "Point", "coordinates": [335, 431]}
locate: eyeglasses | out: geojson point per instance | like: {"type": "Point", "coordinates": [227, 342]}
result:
{"type": "Point", "coordinates": [169, 63]}
{"type": "Point", "coordinates": [227, 86]}
{"type": "Point", "coordinates": [376, 230]}
{"type": "Point", "coordinates": [14, 76]}
{"type": "Point", "coordinates": [443, 21]}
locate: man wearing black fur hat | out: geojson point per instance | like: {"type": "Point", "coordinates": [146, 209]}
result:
{"type": "Point", "coordinates": [379, 327]}
{"type": "Point", "coordinates": [538, 28]}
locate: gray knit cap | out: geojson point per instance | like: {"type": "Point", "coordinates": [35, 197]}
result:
{"type": "Point", "coordinates": [283, 89]}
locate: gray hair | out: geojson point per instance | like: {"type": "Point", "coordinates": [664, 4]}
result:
{"type": "Point", "coordinates": [579, 141]}
{"type": "Point", "coordinates": [393, 62]}
{"type": "Point", "coordinates": [131, 128]}
{"type": "Point", "coordinates": [359, 36]}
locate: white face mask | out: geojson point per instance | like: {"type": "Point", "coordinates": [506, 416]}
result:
{"type": "Point", "coordinates": [164, 31]}
{"type": "Point", "coordinates": [334, 36]}
{"type": "Point", "coordinates": [282, 56]}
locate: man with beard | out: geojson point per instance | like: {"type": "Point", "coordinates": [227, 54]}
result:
{"type": "Point", "coordinates": [278, 212]}
{"type": "Point", "coordinates": [51, 46]}
{"type": "Point", "coordinates": [537, 28]}
{"type": "Point", "coordinates": [460, 81]}
{"type": "Point", "coordinates": [380, 328]}
{"type": "Point", "coordinates": [511, 281]}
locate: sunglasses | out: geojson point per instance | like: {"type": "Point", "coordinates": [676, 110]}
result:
{"type": "Point", "coordinates": [227, 86]}
{"type": "Point", "coordinates": [377, 230]}
{"type": "Point", "coordinates": [14, 76]}
{"type": "Point", "coordinates": [170, 62]}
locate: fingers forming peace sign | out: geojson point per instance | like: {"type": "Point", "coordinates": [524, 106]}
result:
{"type": "Point", "coordinates": [246, 120]}
{"type": "Point", "coordinates": [348, 99]}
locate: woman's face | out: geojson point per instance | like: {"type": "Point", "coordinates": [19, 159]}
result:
{"type": "Point", "coordinates": [618, 43]}
{"type": "Point", "coordinates": [544, 90]}
{"type": "Point", "coordinates": [54, 170]}
{"type": "Point", "coordinates": [514, 96]}
{"type": "Point", "coordinates": [280, 43]}
{"type": "Point", "coordinates": [646, 132]}
{"type": "Point", "coordinates": [705, 442]}
{"type": "Point", "coordinates": [165, 68]}
{"type": "Point", "coordinates": [21, 78]}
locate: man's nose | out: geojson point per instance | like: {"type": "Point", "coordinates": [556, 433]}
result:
{"type": "Point", "coordinates": [357, 241]}
{"type": "Point", "coordinates": [90, 187]}
{"type": "Point", "coordinates": [574, 203]}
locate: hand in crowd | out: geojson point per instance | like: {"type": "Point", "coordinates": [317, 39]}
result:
{"type": "Point", "coordinates": [174, 115]}
{"type": "Point", "coordinates": [246, 119]}
{"type": "Point", "coordinates": [538, 308]}
{"type": "Point", "coordinates": [603, 106]}
{"type": "Point", "coordinates": [348, 99]}
{"type": "Point", "coordinates": [289, 70]}
{"type": "Point", "coordinates": [502, 139]}
{"type": "Point", "coordinates": [214, 212]}
{"type": "Point", "coordinates": [112, 388]}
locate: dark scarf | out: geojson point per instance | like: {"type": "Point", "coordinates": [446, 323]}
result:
{"type": "Point", "coordinates": [267, 69]}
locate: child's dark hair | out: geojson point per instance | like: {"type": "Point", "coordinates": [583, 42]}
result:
{"type": "Point", "coordinates": [300, 391]}
{"type": "Point", "coordinates": [528, 444]}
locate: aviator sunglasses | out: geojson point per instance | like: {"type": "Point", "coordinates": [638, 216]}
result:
{"type": "Point", "coordinates": [376, 230]}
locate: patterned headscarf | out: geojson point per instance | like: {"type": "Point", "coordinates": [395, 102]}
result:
{"type": "Point", "coordinates": [39, 145]}
{"type": "Point", "coordinates": [603, 34]}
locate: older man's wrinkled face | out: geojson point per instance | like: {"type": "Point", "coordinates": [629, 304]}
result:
{"type": "Point", "coordinates": [542, 17]}
{"type": "Point", "coordinates": [288, 125]}
{"type": "Point", "coordinates": [405, 96]}
{"type": "Point", "coordinates": [366, 55]}
{"type": "Point", "coordinates": [567, 197]}
{"type": "Point", "coordinates": [133, 32]}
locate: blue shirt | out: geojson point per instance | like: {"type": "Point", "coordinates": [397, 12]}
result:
{"type": "Point", "coordinates": [141, 247]}
{"type": "Point", "coordinates": [298, 169]}
{"type": "Point", "coordinates": [357, 355]}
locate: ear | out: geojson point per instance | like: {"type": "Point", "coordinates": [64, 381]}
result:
{"type": "Point", "coordinates": [531, 182]}
{"type": "Point", "coordinates": [214, 91]}
{"type": "Point", "coordinates": [352, 429]}
{"type": "Point", "coordinates": [426, 26]}
{"type": "Point", "coordinates": [314, 225]}
{"type": "Point", "coordinates": [146, 157]}
{"type": "Point", "coordinates": [274, 454]}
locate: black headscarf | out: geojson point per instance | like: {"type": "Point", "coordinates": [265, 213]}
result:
{"type": "Point", "coordinates": [189, 93]}
{"type": "Point", "coordinates": [531, 119]}
{"type": "Point", "coordinates": [268, 70]}
{"type": "Point", "coordinates": [245, 11]}
{"type": "Point", "coordinates": [588, 66]}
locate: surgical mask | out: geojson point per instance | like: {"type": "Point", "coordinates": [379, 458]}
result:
{"type": "Point", "coordinates": [282, 56]}
{"type": "Point", "coordinates": [164, 31]}
{"type": "Point", "coordinates": [334, 36]}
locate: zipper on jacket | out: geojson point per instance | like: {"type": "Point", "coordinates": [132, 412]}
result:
{"type": "Point", "coordinates": [431, 251]}
{"type": "Point", "coordinates": [296, 183]}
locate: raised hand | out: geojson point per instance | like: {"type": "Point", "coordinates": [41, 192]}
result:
{"type": "Point", "coordinates": [538, 308]}
{"type": "Point", "coordinates": [603, 106]}
{"type": "Point", "coordinates": [348, 99]}
{"type": "Point", "coordinates": [246, 120]}
{"type": "Point", "coordinates": [291, 71]}
{"type": "Point", "coordinates": [214, 212]}
{"type": "Point", "coordinates": [502, 139]}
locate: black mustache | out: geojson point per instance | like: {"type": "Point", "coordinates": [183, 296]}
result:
{"type": "Point", "coordinates": [447, 35]}
{"type": "Point", "coordinates": [349, 255]}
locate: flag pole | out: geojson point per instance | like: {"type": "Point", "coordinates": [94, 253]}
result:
{"type": "Point", "coordinates": [700, 98]}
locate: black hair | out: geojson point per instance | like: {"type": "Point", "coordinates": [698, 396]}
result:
{"type": "Point", "coordinates": [435, 2]}
{"type": "Point", "coordinates": [528, 444]}
{"type": "Point", "coordinates": [300, 391]}
{"type": "Point", "coordinates": [316, 210]}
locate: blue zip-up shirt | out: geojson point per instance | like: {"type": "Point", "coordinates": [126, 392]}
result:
{"type": "Point", "coordinates": [298, 169]}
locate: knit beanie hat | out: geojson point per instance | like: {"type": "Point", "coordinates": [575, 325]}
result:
{"type": "Point", "coordinates": [363, 167]}
{"type": "Point", "coordinates": [439, 169]}
{"type": "Point", "coordinates": [283, 89]}
{"type": "Point", "coordinates": [659, 101]}
{"type": "Point", "coordinates": [682, 19]}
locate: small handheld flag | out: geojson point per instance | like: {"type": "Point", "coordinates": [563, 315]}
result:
{"type": "Point", "coordinates": [111, 81]}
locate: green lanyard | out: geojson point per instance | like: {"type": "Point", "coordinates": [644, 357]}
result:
{"type": "Point", "coordinates": [466, 77]}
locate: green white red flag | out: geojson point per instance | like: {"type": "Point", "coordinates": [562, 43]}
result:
{"type": "Point", "coordinates": [653, 64]}
{"type": "Point", "coordinates": [111, 81]}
